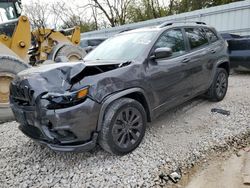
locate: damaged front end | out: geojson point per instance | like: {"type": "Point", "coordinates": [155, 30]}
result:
{"type": "Point", "coordinates": [56, 104]}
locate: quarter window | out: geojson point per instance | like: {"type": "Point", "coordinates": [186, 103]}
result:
{"type": "Point", "coordinates": [211, 36]}
{"type": "Point", "coordinates": [196, 37]}
{"type": "Point", "coordinates": [172, 39]}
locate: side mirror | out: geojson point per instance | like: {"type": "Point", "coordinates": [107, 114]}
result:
{"type": "Point", "coordinates": [161, 53]}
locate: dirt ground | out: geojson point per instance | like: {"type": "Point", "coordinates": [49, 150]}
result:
{"type": "Point", "coordinates": [225, 171]}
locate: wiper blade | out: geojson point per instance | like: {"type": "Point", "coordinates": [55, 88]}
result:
{"type": "Point", "coordinates": [126, 63]}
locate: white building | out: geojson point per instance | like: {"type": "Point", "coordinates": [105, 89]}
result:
{"type": "Point", "coordinates": [230, 18]}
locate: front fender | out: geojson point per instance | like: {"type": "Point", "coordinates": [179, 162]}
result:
{"type": "Point", "coordinates": [109, 99]}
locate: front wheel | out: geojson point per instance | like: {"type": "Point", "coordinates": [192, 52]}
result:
{"type": "Point", "coordinates": [124, 126]}
{"type": "Point", "coordinates": [218, 89]}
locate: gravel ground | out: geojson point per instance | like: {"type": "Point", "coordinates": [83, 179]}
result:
{"type": "Point", "coordinates": [179, 137]}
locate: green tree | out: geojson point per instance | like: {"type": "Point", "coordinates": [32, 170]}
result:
{"type": "Point", "coordinates": [145, 10]}
{"type": "Point", "coordinates": [190, 5]}
{"type": "Point", "coordinates": [73, 21]}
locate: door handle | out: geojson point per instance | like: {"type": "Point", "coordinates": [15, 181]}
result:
{"type": "Point", "coordinates": [185, 60]}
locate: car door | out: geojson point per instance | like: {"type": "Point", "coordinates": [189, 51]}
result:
{"type": "Point", "coordinates": [199, 58]}
{"type": "Point", "coordinates": [214, 51]}
{"type": "Point", "coordinates": [170, 78]}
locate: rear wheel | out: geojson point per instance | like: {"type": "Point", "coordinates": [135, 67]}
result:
{"type": "Point", "coordinates": [71, 52]}
{"type": "Point", "coordinates": [218, 89]}
{"type": "Point", "coordinates": [123, 127]}
{"type": "Point", "coordinates": [9, 67]}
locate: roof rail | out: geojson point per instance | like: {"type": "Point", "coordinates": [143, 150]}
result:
{"type": "Point", "coordinates": [171, 23]}
{"type": "Point", "coordinates": [126, 30]}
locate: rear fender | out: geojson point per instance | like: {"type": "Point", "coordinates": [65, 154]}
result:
{"type": "Point", "coordinates": [219, 62]}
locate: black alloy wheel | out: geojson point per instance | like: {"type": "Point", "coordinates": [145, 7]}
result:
{"type": "Point", "coordinates": [221, 84]}
{"type": "Point", "coordinates": [127, 128]}
{"type": "Point", "coordinates": [123, 126]}
{"type": "Point", "coordinates": [218, 89]}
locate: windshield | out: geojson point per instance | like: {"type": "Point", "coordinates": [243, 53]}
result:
{"type": "Point", "coordinates": [7, 11]}
{"type": "Point", "coordinates": [122, 47]}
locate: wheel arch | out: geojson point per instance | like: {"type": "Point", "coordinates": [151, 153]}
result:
{"type": "Point", "coordinates": [222, 63]}
{"type": "Point", "coordinates": [137, 94]}
{"type": "Point", "coordinates": [225, 65]}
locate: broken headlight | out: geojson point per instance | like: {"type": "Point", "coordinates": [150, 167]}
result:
{"type": "Point", "coordinates": [57, 101]}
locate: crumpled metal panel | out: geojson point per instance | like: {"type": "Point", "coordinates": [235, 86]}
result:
{"type": "Point", "coordinates": [102, 78]}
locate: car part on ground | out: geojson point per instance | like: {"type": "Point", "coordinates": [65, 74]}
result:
{"type": "Point", "coordinates": [220, 111]}
{"type": "Point", "coordinates": [141, 72]}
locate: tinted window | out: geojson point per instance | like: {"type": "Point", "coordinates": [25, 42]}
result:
{"type": "Point", "coordinates": [211, 36]}
{"type": "Point", "coordinates": [7, 11]}
{"type": "Point", "coordinates": [95, 42]}
{"type": "Point", "coordinates": [196, 37]}
{"type": "Point", "coordinates": [172, 39]}
{"type": "Point", "coordinates": [84, 43]}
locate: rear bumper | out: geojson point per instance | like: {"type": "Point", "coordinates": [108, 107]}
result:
{"type": "Point", "coordinates": [67, 129]}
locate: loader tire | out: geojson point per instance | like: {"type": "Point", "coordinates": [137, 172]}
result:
{"type": "Point", "coordinates": [71, 52]}
{"type": "Point", "coordinates": [9, 67]}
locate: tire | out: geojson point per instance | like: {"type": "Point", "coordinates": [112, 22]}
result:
{"type": "Point", "coordinates": [9, 67]}
{"type": "Point", "coordinates": [71, 52]}
{"type": "Point", "coordinates": [218, 89]}
{"type": "Point", "coordinates": [121, 135]}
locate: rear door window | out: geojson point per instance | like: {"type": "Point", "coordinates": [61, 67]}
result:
{"type": "Point", "coordinates": [196, 37]}
{"type": "Point", "coordinates": [211, 35]}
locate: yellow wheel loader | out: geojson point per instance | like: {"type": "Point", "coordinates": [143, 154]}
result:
{"type": "Point", "coordinates": [21, 48]}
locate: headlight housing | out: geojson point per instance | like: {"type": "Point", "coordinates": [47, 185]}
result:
{"type": "Point", "coordinates": [68, 99]}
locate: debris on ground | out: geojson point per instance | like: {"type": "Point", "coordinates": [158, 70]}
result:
{"type": "Point", "coordinates": [247, 149]}
{"type": "Point", "coordinates": [175, 176]}
{"type": "Point", "coordinates": [220, 111]}
{"type": "Point", "coordinates": [163, 178]}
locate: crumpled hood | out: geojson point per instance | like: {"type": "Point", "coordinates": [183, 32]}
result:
{"type": "Point", "coordinates": [60, 77]}
{"type": "Point", "coordinates": [48, 78]}
{"type": "Point", "coordinates": [62, 71]}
